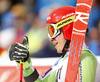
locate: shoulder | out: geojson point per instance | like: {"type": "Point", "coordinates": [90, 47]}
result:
{"type": "Point", "coordinates": [89, 65]}
{"type": "Point", "coordinates": [87, 55]}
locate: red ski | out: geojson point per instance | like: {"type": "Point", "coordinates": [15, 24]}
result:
{"type": "Point", "coordinates": [80, 24]}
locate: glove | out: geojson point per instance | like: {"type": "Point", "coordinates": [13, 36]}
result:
{"type": "Point", "coordinates": [19, 52]}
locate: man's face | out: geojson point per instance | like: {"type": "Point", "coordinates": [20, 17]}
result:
{"type": "Point", "coordinates": [59, 42]}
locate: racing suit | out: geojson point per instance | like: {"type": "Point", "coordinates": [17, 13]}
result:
{"type": "Point", "coordinates": [86, 70]}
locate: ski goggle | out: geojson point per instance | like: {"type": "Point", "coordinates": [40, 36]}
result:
{"type": "Point", "coordinates": [54, 29]}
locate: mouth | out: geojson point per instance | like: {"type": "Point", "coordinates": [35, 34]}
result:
{"type": "Point", "coordinates": [55, 44]}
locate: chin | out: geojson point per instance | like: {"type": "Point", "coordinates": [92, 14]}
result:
{"type": "Point", "coordinates": [59, 51]}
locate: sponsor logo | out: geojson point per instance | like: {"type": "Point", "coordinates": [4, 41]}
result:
{"type": "Point", "coordinates": [68, 15]}
{"type": "Point", "coordinates": [81, 15]}
{"type": "Point", "coordinates": [64, 22]}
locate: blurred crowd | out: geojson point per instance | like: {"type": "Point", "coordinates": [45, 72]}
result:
{"type": "Point", "coordinates": [28, 17]}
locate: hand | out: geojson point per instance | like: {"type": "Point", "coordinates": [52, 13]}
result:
{"type": "Point", "coordinates": [19, 52]}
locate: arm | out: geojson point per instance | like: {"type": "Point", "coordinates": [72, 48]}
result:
{"type": "Point", "coordinates": [19, 52]}
{"type": "Point", "coordinates": [30, 74]}
{"type": "Point", "coordinates": [89, 65]}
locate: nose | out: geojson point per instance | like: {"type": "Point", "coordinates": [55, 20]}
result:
{"type": "Point", "coordinates": [50, 39]}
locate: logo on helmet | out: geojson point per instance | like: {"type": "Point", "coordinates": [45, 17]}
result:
{"type": "Point", "coordinates": [65, 16]}
{"type": "Point", "coordinates": [48, 18]}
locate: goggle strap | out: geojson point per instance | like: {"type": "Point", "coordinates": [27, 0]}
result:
{"type": "Point", "coordinates": [64, 22]}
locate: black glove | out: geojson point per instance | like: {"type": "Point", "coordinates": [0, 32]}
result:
{"type": "Point", "coordinates": [19, 52]}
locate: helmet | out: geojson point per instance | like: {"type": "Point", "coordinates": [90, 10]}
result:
{"type": "Point", "coordinates": [59, 15]}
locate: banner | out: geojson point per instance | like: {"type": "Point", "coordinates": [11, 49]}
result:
{"type": "Point", "coordinates": [10, 72]}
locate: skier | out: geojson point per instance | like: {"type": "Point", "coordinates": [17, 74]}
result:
{"type": "Point", "coordinates": [59, 25]}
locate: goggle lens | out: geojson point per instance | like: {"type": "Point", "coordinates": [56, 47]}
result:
{"type": "Point", "coordinates": [51, 30]}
